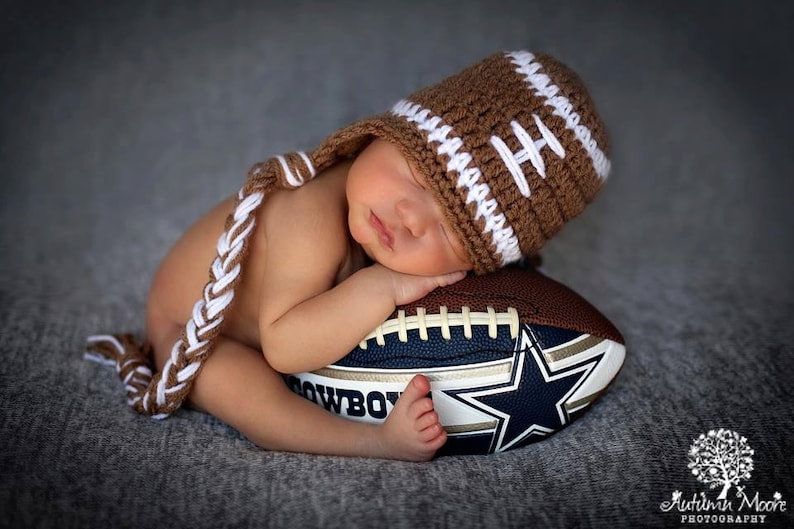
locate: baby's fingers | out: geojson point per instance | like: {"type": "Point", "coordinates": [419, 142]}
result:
{"type": "Point", "coordinates": [451, 278]}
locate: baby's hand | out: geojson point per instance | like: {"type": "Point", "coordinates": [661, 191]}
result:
{"type": "Point", "coordinates": [407, 288]}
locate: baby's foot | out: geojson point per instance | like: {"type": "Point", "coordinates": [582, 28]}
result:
{"type": "Point", "coordinates": [412, 431]}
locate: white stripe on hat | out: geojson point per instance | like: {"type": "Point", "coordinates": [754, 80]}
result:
{"type": "Point", "coordinates": [297, 179]}
{"type": "Point", "coordinates": [292, 179]}
{"type": "Point", "coordinates": [308, 162]}
{"type": "Point", "coordinates": [469, 177]}
{"type": "Point", "coordinates": [543, 87]}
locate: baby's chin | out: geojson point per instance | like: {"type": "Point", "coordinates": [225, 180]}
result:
{"type": "Point", "coordinates": [375, 253]}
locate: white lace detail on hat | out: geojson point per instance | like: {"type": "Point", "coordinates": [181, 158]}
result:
{"type": "Point", "coordinates": [469, 177]}
{"type": "Point", "coordinates": [530, 152]}
{"type": "Point", "coordinates": [542, 86]}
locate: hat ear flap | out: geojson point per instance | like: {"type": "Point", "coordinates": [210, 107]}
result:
{"type": "Point", "coordinates": [344, 144]}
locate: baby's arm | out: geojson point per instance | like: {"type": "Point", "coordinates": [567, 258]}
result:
{"type": "Point", "coordinates": [306, 320]}
{"type": "Point", "coordinates": [321, 329]}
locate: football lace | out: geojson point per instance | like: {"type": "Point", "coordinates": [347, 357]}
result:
{"type": "Point", "coordinates": [444, 320]}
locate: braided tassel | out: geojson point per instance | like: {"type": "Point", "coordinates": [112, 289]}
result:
{"type": "Point", "coordinates": [129, 356]}
{"type": "Point", "coordinates": [162, 394]}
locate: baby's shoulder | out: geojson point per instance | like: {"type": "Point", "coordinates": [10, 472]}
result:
{"type": "Point", "coordinates": [326, 192]}
{"type": "Point", "coordinates": [315, 212]}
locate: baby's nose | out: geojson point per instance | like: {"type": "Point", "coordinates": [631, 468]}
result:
{"type": "Point", "coordinates": [414, 215]}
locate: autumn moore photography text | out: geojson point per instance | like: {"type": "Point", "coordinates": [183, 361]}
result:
{"type": "Point", "coordinates": [722, 460]}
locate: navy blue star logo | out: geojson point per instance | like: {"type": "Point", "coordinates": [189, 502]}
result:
{"type": "Point", "coordinates": [532, 402]}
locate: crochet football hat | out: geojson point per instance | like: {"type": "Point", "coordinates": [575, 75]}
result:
{"type": "Point", "coordinates": [512, 147]}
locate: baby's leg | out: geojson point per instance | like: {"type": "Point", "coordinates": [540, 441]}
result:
{"type": "Point", "coordinates": [239, 387]}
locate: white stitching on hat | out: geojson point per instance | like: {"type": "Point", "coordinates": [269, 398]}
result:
{"type": "Point", "coordinates": [542, 85]}
{"type": "Point", "coordinates": [469, 177]}
{"type": "Point", "coordinates": [530, 152]}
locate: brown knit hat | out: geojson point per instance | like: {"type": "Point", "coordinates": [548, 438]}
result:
{"type": "Point", "coordinates": [511, 146]}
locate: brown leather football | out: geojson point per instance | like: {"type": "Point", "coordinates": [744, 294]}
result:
{"type": "Point", "coordinates": [512, 356]}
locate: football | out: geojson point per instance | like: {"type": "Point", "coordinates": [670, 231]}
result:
{"type": "Point", "coordinates": [512, 357]}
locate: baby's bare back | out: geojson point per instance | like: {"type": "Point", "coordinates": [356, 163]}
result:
{"type": "Point", "coordinates": [181, 276]}
{"type": "Point", "coordinates": [180, 279]}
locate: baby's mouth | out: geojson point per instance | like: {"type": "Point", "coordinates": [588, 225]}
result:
{"type": "Point", "coordinates": [384, 235]}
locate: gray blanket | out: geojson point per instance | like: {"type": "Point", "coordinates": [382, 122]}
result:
{"type": "Point", "coordinates": [124, 121]}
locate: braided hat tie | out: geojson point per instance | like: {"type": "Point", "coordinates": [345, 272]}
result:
{"type": "Point", "coordinates": [162, 394]}
{"type": "Point", "coordinates": [511, 147]}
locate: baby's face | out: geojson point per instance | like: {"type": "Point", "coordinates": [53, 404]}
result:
{"type": "Point", "coordinates": [394, 216]}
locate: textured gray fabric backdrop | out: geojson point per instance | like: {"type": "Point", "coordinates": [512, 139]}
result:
{"type": "Point", "coordinates": [122, 122]}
